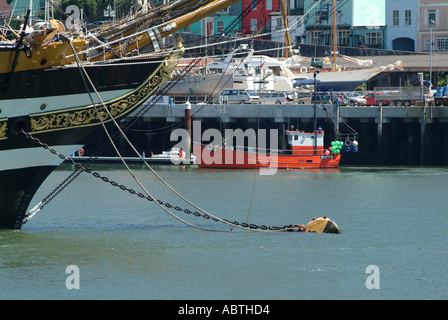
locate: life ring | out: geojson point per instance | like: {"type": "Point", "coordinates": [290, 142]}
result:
{"type": "Point", "coordinates": [341, 98]}
{"type": "Point", "coordinates": [81, 152]}
{"type": "Point", "coordinates": [303, 70]}
{"type": "Point", "coordinates": [181, 154]}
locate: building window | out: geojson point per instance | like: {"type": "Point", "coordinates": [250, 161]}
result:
{"type": "Point", "coordinates": [314, 37]}
{"type": "Point", "coordinates": [428, 44]}
{"type": "Point", "coordinates": [373, 39]}
{"type": "Point", "coordinates": [219, 27]}
{"type": "Point", "coordinates": [187, 29]}
{"type": "Point", "coordinates": [268, 4]}
{"type": "Point", "coordinates": [338, 16]}
{"type": "Point", "coordinates": [254, 5]}
{"type": "Point", "coordinates": [442, 43]}
{"type": "Point", "coordinates": [279, 25]}
{"type": "Point", "coordinates": [395, 17]}
{"type": "Point", "coordinates": [432, 17]}
{"type": "Point", "coordinates": [317, 15]}
{"type": "Point", "coordinates": [343, 38]}
{"type": "Point", "coordinates": [253, 24]}
{"type": "Point", "coordinates": [407, 18]}
{"type": "Point", "coordinates": [328, 38]}
{"type": "Point", "coordinates": [295, 4]}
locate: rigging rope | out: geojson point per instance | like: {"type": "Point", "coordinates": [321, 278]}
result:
{"type": "Point", "coordinates": [245, 226]}
{"type": "Point", "coordinates": [251, 227]}
{"type": "Point", "coordinates": [85, 75]}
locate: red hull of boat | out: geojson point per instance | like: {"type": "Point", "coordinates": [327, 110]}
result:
{"type": "Point", "coordinates": [215, 157]}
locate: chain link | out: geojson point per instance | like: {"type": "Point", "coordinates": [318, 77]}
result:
{"type": "Point", "coordinates": [149, 198]}
{"type": "Point", "coordinates": [162, 91]}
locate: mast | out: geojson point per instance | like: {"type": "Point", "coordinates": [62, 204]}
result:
{"type": "Point", "coordinates": [285, 23]}
{"type": "Point", "coordinates": [334, 36]}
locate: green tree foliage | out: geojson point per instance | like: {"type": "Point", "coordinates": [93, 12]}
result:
{"type": "Point", "coordinates": [442, 79]}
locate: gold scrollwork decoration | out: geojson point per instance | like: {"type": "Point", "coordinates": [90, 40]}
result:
{"type": "Point", "coordinates": [89, 116]}
{"type": "Point", "coordinates": [3, 129]}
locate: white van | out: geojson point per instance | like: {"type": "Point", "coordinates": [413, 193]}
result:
{"type": "Point", "coordinates": [239, 96]}
{"type": "Point", "coordinates": [276, 97]}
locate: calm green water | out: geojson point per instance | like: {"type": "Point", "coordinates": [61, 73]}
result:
{"type": "Point", "coordinates": [128, 248]}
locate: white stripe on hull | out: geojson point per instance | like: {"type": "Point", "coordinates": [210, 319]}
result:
{"type": "Point", "coordinates": [23, 106]}
{"type": "Point", "coordinates": [34, 157]}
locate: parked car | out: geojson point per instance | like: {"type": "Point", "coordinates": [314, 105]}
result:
{"type": "Point", "coordinates": [330, 97]}
{"type": "Point", "coordinates": [276, 97]}
{"type": "Point", "coordinates": [354, 100]}
{"type": "Point", "coordinates": [239, 96]}
{"type": "Point", "coordinates": [370, 99]}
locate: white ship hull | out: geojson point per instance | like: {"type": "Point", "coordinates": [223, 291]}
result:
{"type": "Point", "coordinates": [209, 84]}
{"type": "Point", "coordinates": [343, 80]}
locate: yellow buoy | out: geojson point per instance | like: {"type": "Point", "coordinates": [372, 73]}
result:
{"type": "Point", "coordinates": [322, 225]}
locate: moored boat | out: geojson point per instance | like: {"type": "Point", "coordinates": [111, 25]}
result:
{"type": "Point", "coordinates": [305, 150]}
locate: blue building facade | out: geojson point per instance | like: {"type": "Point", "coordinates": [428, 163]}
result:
{"type": "Point", "coordinates": [358, 23]}
{"type": "Point", "coordinates": [19, 7]}
{"type": "Point", "coordinates": [217, 23]}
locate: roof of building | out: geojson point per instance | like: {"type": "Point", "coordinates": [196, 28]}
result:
{"type": "Point", "coordinates": [411, 63]}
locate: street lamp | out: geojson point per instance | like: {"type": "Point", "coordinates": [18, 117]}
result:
{"type": "Point", "coordinates": [431, 24]}
{"type": "Point", "coordinates": [316, 72]}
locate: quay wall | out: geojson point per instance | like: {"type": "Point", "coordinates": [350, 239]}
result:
{"type": "Point", "coordinates": [412, 136]}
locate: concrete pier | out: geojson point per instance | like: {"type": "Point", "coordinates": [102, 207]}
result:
{"type": "Point", "coordinates": [414, 135]}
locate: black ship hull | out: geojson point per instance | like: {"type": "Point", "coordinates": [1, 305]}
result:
{"type": "Point", "coordinates": [53, 106]}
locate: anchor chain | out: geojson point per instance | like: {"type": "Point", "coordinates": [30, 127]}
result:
{"type": "Point", "coordinates": [250, 226]}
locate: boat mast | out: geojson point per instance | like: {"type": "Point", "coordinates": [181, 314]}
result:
{"type": "Point", "coordinates": [334, 37]}
{"type": "Point", "coordinates": [285, 23]}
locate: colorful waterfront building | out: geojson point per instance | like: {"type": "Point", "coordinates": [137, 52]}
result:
{"type": "Point", "coordinates": [19, 7]}
{"type": "Point", "coordinates": [402, 24]}
{"type": "Point", "coordinates": [5, 8]}
{"type": "Point", "coordinates": [358, 23]}
{"type": "Point", "coordinates": [258, 19]}
{"type": "Point", "coordinates": [218, 22]}
{"type": "Point", "coordinates": [432, 20]}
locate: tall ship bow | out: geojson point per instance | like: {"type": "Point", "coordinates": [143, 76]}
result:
{"type": "Point", "coordinates": [52, 79]}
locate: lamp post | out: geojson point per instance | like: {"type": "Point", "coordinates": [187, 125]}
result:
{"type": "Point", "coordinates": [316, 72]}
{"type": "Point", "coordinates": [431, 24]}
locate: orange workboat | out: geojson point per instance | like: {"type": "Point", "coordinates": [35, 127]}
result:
{"type": "Point", "coordinates": [304, 150]}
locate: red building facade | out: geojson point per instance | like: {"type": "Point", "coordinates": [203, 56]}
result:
{"type": "Point", "coordinates": [258, 20]}
{"type": "Point", "coordinates": [5, 8]}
